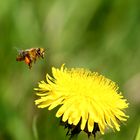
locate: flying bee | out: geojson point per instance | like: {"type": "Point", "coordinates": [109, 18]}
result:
{"type": "Point", "coordinates": [30, 55]}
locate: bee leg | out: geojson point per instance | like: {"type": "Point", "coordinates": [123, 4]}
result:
{"type": "Point", "coordinates": [30, 65]}
{"type": "Point", "coordinates": [34, 60]}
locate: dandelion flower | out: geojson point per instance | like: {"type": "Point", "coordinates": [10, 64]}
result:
{"type": "Point", "coordinates": [87, 101]}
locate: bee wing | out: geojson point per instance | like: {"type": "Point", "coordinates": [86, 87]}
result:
{"type": "Point", "coordinates": [18, 50]}
{"type": "Point", "coordinates": [19, 56]}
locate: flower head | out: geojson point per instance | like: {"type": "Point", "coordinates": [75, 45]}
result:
{"type": "Point", "coordinates": [88, 101]}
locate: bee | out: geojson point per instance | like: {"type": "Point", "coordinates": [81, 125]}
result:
{"type": "Point", "coordinates": [30, 55]}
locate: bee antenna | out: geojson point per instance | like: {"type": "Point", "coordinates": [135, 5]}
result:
{"type": "Point", "coordinates": [17, 49]}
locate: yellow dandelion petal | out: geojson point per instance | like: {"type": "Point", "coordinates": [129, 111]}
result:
{"type": "Point", "coordinates": [62, 109]}
{"type": "Point", "coordinates": [55, 103]}
{"type": "Point", "coordinates": [77, 117]}
{"type": "Point", "coordinates": [108, 119]}
{"type": "Point", "coordinates": [72, 117]}
{"type": "Point", "coordinates": [68, 113]}
{"type": "Point", "coordinates": [90, 123]}
{"type": "Point", "coordinates": [101, 127]}
{"type": "Point", "coordinates": [88, 101]}
{"type": "Point", "coordinates": [43, 103]}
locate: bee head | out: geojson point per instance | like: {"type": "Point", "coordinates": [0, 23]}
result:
{"type": "Point", "coordinates": [41, 52]}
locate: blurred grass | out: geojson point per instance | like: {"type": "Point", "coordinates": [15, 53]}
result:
{"type": "Point", "coordinates": [138, 134]}
{"type": "Point", "coordinates": [100, 35]}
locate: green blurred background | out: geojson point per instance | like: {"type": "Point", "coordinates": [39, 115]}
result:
{"type": "Point", "coordinates": [101, 35]}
